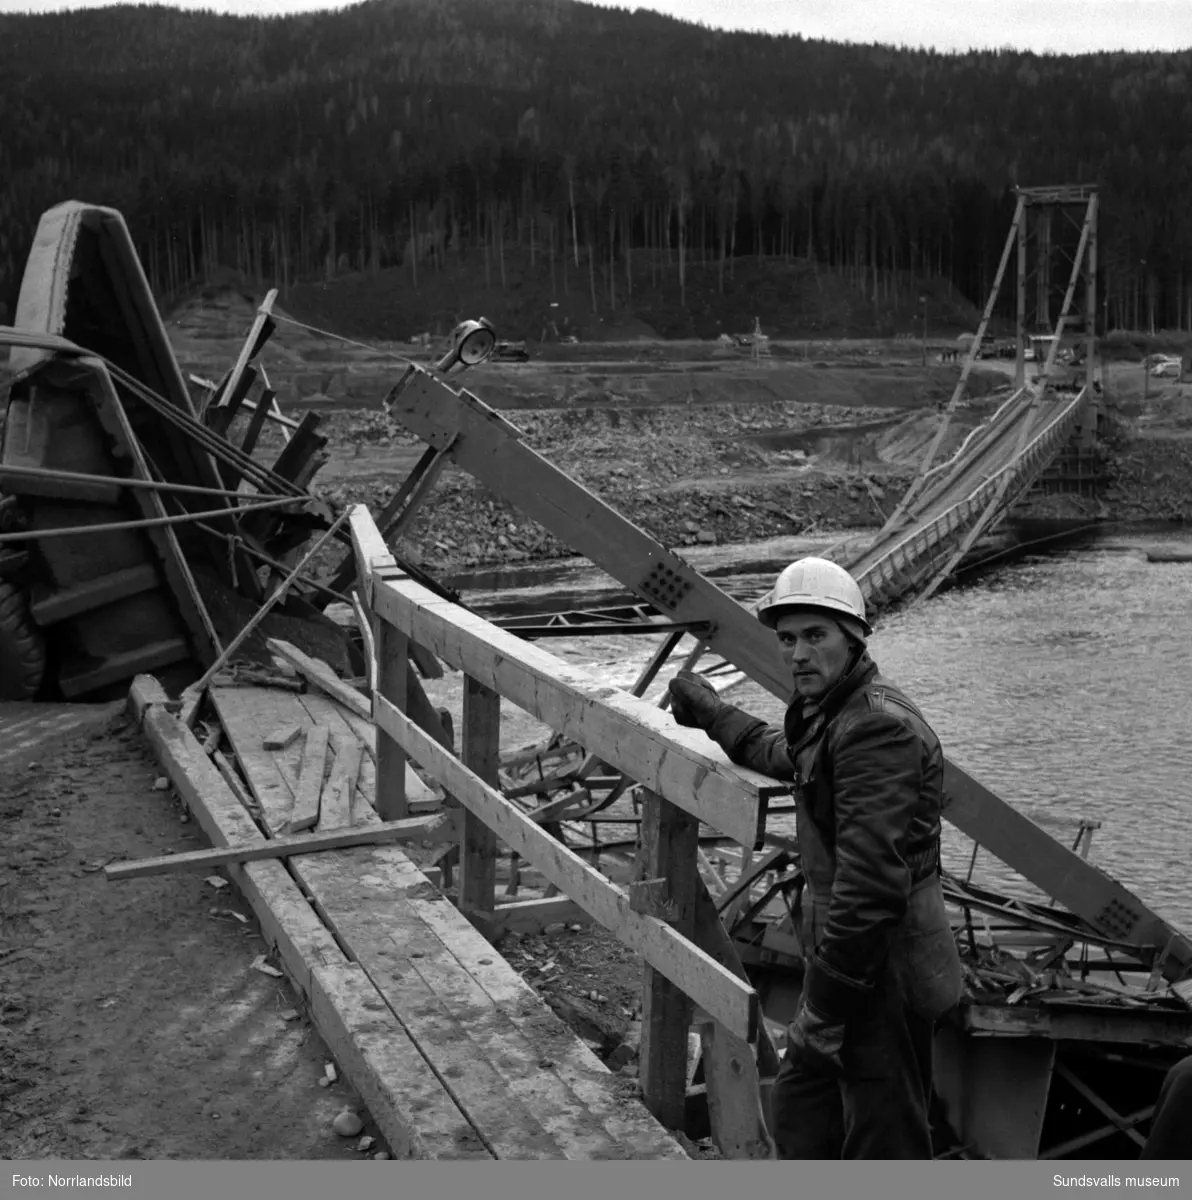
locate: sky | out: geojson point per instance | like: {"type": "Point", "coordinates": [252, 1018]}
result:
{"type": "Point", "coordinates": [1046, 26]}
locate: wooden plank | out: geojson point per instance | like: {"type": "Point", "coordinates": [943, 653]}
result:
{"type": "Point", "coordinates": [321, 710]}
{"type": "Point", "coordinates": [730, 1001]}
{"type": "Point", "coordinates": [393, 680]}
{"type": "Point", "coordinates": [335, 807]}
{"type": "Point", "coordinates": [364, 900]}
{"type": "Point", "coordinates": [499, 1078]}
{"type": "Point", "coordinates": [321, 675]}
{"type": "Point", "coordinates": [734, 1095]}
{"type": "Point", "coordinates": [297, 462]}
{"type": "Point", "coordinates": [119, 667]}
{"type": "Point", "coordinates": [628, 1120]}
{"type": "Point", "coordinates": [533, 916]}
{"type": "Point", "coordinates": [356, 703]}
{"type": "Point", "coordinates": [1088, 1023]}
{"type": "Point", "coordinates": [731, 1073]}
{"type": "Point", "coordinates": [286, 919]}
{"type": "Point", "coordinates": [481, 753]}
{"type": "Point", "coordinates": [270, 708]}
{"type": "Point", "coordinates": [231, 394]}
{"type": "Point", "coordinates": [228, 771]}
{"type": "Point", "coordinates": [420, 797]}
{"type": "Point", "coordinates": [409, 1104]}
{"type": "Point", "coordinates": [428, 666]}
{"type": "Point", "coordinates": [669, 840]}
{"type": "Point", "coordinates": [260, 411]}
{"type": "Point", "coordinates": [310, 781]}
{"type": "Point", "coordinates": [714, 940]}
{"type": "Point", "coordinates": [282, 737]}
{"type": "Point", "coordinates": [95, 593]}
{"type": "Point", "coordinates": [283, 847]}
{"type": "Point", "coordinates": [629, 733]}
{"type": "Point", "coordinates": [371, 546]}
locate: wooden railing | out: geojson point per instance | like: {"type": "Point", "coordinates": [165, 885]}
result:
{"type": "Point", "coordinates": [667, 916]}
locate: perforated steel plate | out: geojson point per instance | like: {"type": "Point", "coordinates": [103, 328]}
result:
{"type": "Point", "coordinates": [665, 587]}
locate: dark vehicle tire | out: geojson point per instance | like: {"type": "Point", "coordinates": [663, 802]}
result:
{"type": "Point", "coordinates": [22, 648]}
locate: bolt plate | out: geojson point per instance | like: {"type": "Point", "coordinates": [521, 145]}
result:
{"type": "Point", "coordinates": [665, 587]}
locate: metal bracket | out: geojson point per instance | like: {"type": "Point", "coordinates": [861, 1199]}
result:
{"type": "Point", "coordinates": [665, 586]}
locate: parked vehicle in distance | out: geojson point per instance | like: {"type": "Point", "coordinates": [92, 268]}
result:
{"type": "Point", "coordinates": [1167, 366]}
{"type": "Point", "coordinates": [511, 352]}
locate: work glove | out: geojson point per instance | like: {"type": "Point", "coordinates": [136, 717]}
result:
{"type": "Point", "coordinates": [812, 1036]}
{"type": "Point", "coordinates": [694, 702]}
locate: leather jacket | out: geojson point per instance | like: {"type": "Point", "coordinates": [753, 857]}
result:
{"type": "Point", "coordinates": [867, 771]}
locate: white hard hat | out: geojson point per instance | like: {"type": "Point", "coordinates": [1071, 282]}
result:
{"type": "Point", "coordinates": [814, 583]}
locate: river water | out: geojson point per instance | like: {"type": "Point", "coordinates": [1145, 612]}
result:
{"type": "Point", "coordinates": [1064, 683]}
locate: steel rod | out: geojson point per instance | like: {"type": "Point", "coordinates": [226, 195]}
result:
{"type": "Point", "coordinates": [147, 523]}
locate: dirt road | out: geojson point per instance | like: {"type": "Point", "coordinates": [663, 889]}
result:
{"type": "Point", "coordinates": [132, 1023]}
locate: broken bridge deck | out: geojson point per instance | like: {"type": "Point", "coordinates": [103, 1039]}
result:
{"type": "Point", "coordinates": [472, 1063]}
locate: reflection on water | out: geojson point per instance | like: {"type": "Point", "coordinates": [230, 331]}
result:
{"type": "Point", "coordinates": [1065, 685]}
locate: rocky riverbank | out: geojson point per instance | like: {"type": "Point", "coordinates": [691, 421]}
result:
{"type": "Point", "coordinates": [700, 476]}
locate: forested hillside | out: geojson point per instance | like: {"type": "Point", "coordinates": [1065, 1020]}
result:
{"type": "Point", "coordinates": [400, 131]}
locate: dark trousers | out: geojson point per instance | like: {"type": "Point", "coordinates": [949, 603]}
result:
{"type": "Point", "coordinates": [1171, 1126]}
{"type": "Point", "coordinates": [878, 1108]}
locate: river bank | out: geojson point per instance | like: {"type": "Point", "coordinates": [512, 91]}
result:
{"type": "Point", "coordinates": [717, 475]}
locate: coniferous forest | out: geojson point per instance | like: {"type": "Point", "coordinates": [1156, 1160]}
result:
{"type": "Point", "coordinates": [398, 130]}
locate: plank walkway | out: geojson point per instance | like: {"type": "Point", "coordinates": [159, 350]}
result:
{"type": "Point", "coordinates": [514, 1073]}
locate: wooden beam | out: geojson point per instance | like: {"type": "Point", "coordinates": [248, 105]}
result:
{"type": "Point", "coordinates": [283, 847]}
{"type": "Point", "coordinates": [481, 754]}
{"type": "Point", "coordinates": [282, 737]}
{"type": "Point", "coordinates": [226, 401]}
{"type": "Point", "coordinates": [321, 675]}
{"type": "Point", "coordinates": [1080, 1023]}
{"type": "Point", "coordinates": [718, 991]}
{"type": "Point", "coordinates": [305, 812]}
{"type": "Point", "coordinates": [735, 1109]}
{"type": "Point", "coordinates": [374, 535]}
{"type": "Point", "coordinates": [533, 916]}
{"type": "Point", "coordinates": [335, 805]}
{"type": "Point", "coordinates": [669, 840]}
{"type": "Point", "coordinates": [95, 593]}
{"type": "Point", "coordinates": [624, 730]}
{"type": "Point", "coordinates": [731, 1072]}
{"type": "Point", "coordinates": [260, 411]}
{"type": "Point", "coordinates": [393, 682]}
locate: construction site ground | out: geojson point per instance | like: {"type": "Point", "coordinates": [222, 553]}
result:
{"type": "Point", "coordinates": [133, 1022]}
{"type": "Point", "coordinates": [699, 443]}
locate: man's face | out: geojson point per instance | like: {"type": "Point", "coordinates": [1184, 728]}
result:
{"type": "Point", "coordinates": [815, 649]}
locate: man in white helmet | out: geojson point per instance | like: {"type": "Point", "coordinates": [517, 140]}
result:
{"type": "Point", "coordinates": [881, 961]}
